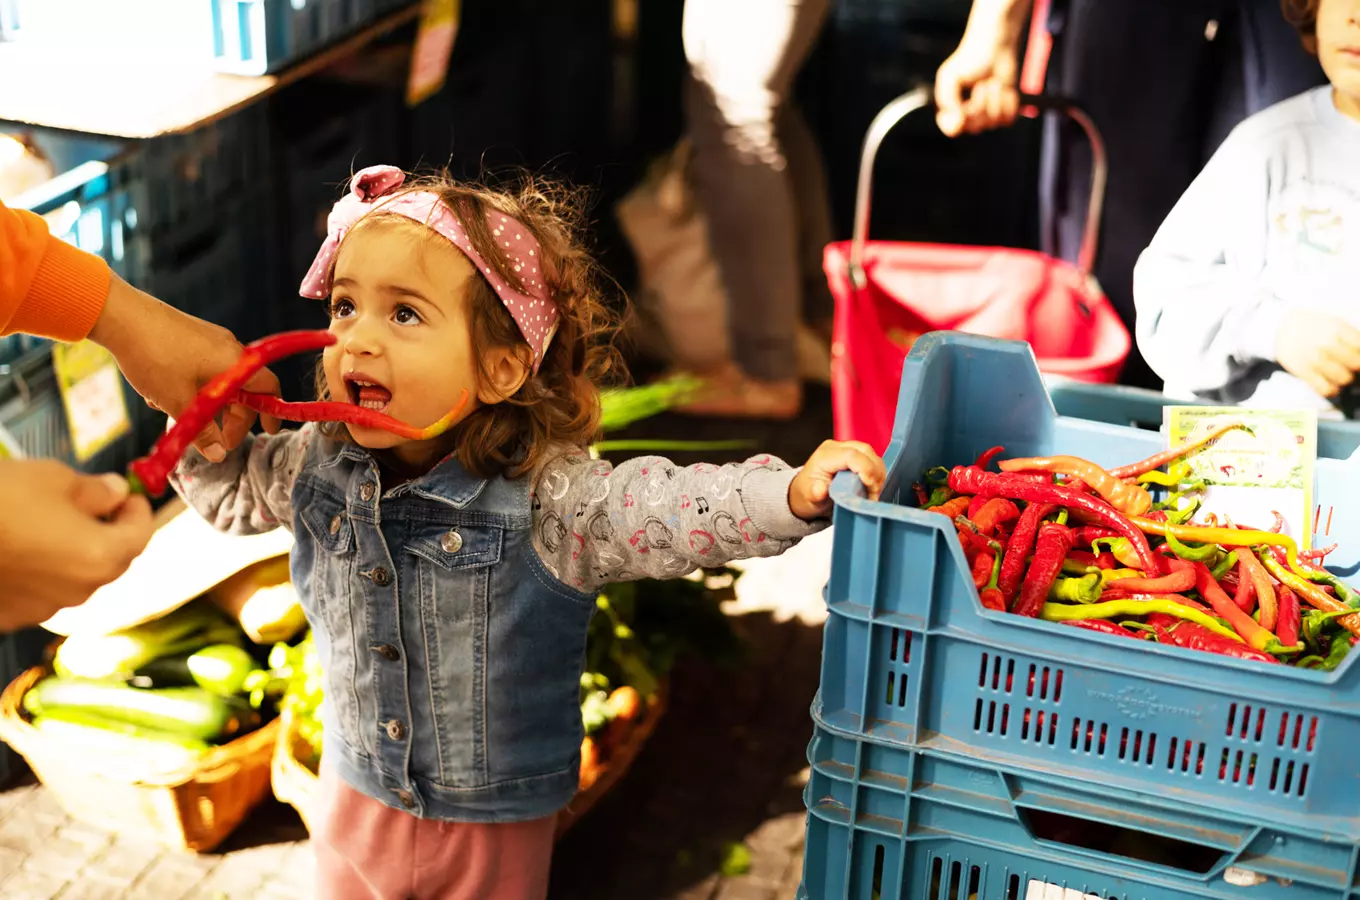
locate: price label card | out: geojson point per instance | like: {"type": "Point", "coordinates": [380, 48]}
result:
{"type": "Point", "coordinates": [433, 48]}
{"type": "Point", "coordinates": [92, 393]}
{"type": "Point", "coordinates": [9, 447]}
{"type": "Point", "coordinates": [1251, 475]}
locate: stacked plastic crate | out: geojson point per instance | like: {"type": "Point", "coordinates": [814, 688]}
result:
{"type": "Point", "coordinates": [960, 753]}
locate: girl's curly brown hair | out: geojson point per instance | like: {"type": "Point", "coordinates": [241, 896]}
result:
{"type": "Point", "coordinates": [1302, 14]}
{"type": "Point", "coordinates": [560, 405]}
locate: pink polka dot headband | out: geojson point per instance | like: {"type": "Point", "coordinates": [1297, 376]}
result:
{"type": "Point", "coordinates": [533, 311]}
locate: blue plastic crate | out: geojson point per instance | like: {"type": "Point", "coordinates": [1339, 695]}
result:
{"type": "Point", "coordinates": [910, 656]}
{"type": "Point", "coordinates": [1138, 408]}
{"type": "Point", "coordinates": [256, 37]}
{"type": "Point", "coordinates": [886, 823]}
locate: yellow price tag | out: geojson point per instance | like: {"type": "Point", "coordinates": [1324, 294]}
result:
{"type": "Point", "coordinates": [92, 393]}
{"type": "Point", "coordinates": [433, 48]}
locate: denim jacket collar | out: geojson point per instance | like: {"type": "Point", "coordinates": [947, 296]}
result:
{"type": "Point", "coordinates": [448, 482]}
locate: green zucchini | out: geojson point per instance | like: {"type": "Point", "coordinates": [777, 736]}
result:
{"type": "Point", "coordinates": [74, 722]}
{"type": "Point", "coordinates": [219, 668]}
{"type": "Point", "coordinates": [121, 653]}
{"type": "Point", "coordinates": [186, 711]}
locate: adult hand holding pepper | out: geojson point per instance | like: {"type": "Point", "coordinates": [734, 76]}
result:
{"type": "Point", "coordinates": [167, 355]}
{"type": "Point", "coordinates": [1321, 349]}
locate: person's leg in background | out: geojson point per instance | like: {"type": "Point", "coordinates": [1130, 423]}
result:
{"type": "Point", "coordinates": [1146, 72]}
{"type": "Point", "coordinates": [743, 58]}
{"type": "Point", "coordinates": [813, 207]}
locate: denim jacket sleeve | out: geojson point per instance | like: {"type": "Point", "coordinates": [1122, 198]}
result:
{"type": "Point", "coordinates": [595, 524]}
{"type": "Point", "coordinates": [249, 492]}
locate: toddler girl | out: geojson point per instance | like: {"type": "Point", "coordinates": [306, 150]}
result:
{"type": "Point", "coordinates": [449, 582]}
{"type": "Point", "coordinates": [1250, 292]}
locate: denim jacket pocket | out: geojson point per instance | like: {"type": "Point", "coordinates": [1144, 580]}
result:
{"type": "Point", "coordinates": [453, 563]}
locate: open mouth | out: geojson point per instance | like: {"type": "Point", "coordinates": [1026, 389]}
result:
{"type": "Point", "coordinates": [367, 393]}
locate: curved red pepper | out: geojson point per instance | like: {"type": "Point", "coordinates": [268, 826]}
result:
{"type": "Point", "coordinates": [1103, 626]}
{"type": "Point", "coordinates": [1287, 625]}
{"type": "Point", "coordinates": [151, 473]}
{"type": "Point", "coordinates": [1050, 549]}
{"type": "Point", "coordinates": [986, 456]}
{"type": "Point", "coordinates": [1193, 636]}
{"type": "Point", "coordinates": [1174, 583]}
{"type": "Point", "coordinates": [970, 480]}
{"type": "Point", "coordinates": [334, 411]}
{"type": "Point", "coordinates": [1157, 460]}
{"type": "Point", "coordinates": [1022, 539]}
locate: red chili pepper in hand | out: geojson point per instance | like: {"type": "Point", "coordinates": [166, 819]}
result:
{"type": "Point", "coordinates": [1050, 549]}
{"type": "Point", "coordinates": [349, 413]}
{"type": "Point", "coordinates": [985, 458]}
{"type": "Point", "coordinates": [151, 473]}
{"type": "Point", "coordinates": [1022, 539]}
{"type": "Point", "coordinates": [1287, 625]}
{"type": "Point", "coordinates": [1103, 626]}
{"type": "Point", "coordinates": [975, 481]}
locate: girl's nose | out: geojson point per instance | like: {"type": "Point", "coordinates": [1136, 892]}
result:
{"type": "Point", "coordinates": [363, 337]}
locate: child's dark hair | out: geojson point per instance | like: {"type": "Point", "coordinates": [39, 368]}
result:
{"type": "Point", "coordinates": [560, 405]}
{"type": "Point", "coordinates": [1302, 14]}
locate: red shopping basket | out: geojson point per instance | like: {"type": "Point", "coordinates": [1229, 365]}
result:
{"type": "Point", "coordinates": [888, 294]}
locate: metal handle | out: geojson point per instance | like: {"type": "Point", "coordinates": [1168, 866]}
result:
{"type": "Point", "coordinates": [921, 98]}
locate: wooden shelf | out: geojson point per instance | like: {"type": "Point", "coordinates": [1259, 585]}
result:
{"type": "Point", "coordinates": [137, 98]}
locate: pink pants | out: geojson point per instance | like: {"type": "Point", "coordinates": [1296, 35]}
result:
{"type": "Point", "coordinates": [366, 850]}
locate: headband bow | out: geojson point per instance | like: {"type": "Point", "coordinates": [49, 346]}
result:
{"type": "Point", "coordinates": [533, 310]}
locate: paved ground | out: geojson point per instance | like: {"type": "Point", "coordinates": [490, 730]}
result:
{"type": "Point", "coordinates": [727, 764]}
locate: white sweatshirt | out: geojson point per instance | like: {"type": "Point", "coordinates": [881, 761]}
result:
{"type": "Point", "coordinates": [1271, 224]}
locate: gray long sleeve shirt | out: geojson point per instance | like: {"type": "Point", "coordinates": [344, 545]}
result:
{"type": "Point", "coordinates": [593, 523]}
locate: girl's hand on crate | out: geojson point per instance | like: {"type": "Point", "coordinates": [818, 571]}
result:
{"type": "Point", "coordinates": [167, 355]}
{"type": "Point", "coordinates": [56, 546]}
{"type": "Point", "coordinates": [810, 490]}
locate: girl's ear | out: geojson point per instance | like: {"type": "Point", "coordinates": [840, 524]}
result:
{"type": "Point", "coordinates": [507, 368]}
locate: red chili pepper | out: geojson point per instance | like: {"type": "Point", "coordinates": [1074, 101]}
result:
{"type": "Point", "coordinates": [1157, 460]}
{"type": "Point", "coordinates": [993, 512]}
{"type": "Point", "coordinates": [151, 473]}
{"type": "Point", "coordinates": [922, 498]}
{"type": "Point", "coordinates": [1088, 534]}
{"type": "Point", "coordinates": [1245, 594]}
{"type": "Point", "coordinates": [951, 508]}
{"type": "Point", "coordinates": [980, 482]}
{"type": "Point", "coordinates": [1022, 539]}
{"type": "Point", "coordinates": [1082, 557]}
{"type": "Point", "coordinates": [1127, 498]}
{"type": "Point", "coordinates": [1279, 522]}
{"type": "Point", "coordinates": [1287, 625]}
{"type": "Point", "coordinates": [1174, 583]}
{"type": "Point", "coordinates": [333, 411]}
{"type": "Point", "coordinates": [975, 506]}
{"type": "Point", "coordinates": [982, 568]}
{"type": "Point", "coordinates": [1103, 626]}
{"type": "Point", "coordinates": [1050, 549]}
{"type": "Point", "coordinates": [1317, 553]}
{"type": "Point", "coordinates": [990, 594]}
{"type": "Point", "coordinates": [985, 458]}
{"type": "Point", "coordinates": [1193, 636]}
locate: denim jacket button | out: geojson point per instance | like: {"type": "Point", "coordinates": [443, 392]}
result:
{"type": "Point", "coordinates": [387, 651]}
{"type": "Point", "coordinates": [382, 577]}
{"type": "Point", "coordinates": [395, 730]}
{"type": "Point", "coordinates": [452, 541]}
{"type": "Point", "coordinates": [366, 491]}
{"type": "Point", "coordinates": [335, 525]}
{"type": "Point", "coordinates": [406, 798]}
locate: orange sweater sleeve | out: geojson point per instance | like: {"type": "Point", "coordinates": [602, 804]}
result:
{"type": "Point", "coordinates": [47, 287]}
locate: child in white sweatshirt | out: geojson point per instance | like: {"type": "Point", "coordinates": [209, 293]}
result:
{"type": "Point", "coordinates": [1250, 292]}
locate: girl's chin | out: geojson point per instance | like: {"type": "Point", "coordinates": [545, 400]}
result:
{"type": "Point", "coordinates": [375, 438]}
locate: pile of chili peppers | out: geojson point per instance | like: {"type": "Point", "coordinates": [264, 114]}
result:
{"type": "Point", "coordinates": [1062, 539]}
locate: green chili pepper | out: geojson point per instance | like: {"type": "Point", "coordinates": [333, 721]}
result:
{"type": "Point", "coordinates": [1120, 548]}
{"type": "Point", "coordinates": [1181, 516]}
{"type": "Point", "coordinates": [1058, 612]}
{"type": "Point", "coordinates": [1344, 592]}
{"type": "Point", "coordinates": [937, 476]}
{"type": "Point", "coordinates": [1309, 662]}
{"type": "Point", "coordinates": [1224, 567]}
{"type": "Point", "coordinates": [1072, 567]}
{"type": "Point", "coordinates": [1186, 551]}
{"type": "Point", "coordinates": [1085, 589]}
{"type": "Point", "coordinates": [1062, 516]}
{"type": "Point", "coordinates": [1341, 647]}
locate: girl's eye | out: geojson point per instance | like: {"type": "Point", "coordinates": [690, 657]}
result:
{"type": "Point", "coordinates": [341, 309]}
{"type": "Point", "coordinates": [405, 315]}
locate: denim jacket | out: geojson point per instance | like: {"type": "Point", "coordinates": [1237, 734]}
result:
{"type": "Point", "coordinates": [450, 611]}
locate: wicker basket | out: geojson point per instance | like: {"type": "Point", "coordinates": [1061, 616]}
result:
{"type": "Point", "coordinates": [295, 783]}
{"type": "Point", "coordinates": [193, 807]}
